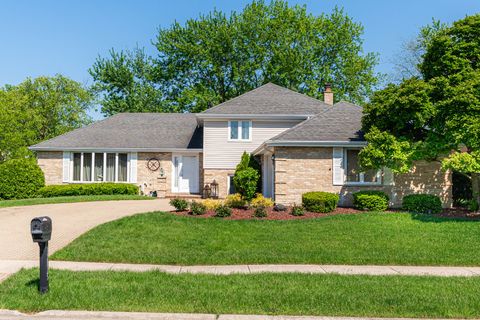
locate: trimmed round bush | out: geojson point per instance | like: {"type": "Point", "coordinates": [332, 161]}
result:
{"type": "Point", "coordinates": [370, 200]}
{"type": "Point", "coordinates": [319, 201]}
{"type": "Point", "coordinates": [179, 204]}
{"type": "Point", "coordinates": [260, 212]}
{"type": "Point", "coordinates": [20, 179]}
{"type": "Point", "coordinates": [297, 211]}
{"type": "Point", "coordinates": [223, 211]}
{"type": "Point", "coordinates": [88, 189]}
{"type": "Point", "coordinates": [197, 208]}
{"type": "Point", "coordinates": [422, 203]}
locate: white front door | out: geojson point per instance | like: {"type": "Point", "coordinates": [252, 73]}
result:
{"type": "Point", "coordinates": [268, 176]}
{"type": "Point", "coordinates": [185, 174]}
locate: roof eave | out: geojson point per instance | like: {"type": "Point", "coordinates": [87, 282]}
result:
{"type": "Point", "coordinates": [93, 149]}
{"type": "Point", "coordinates": [305, 143]}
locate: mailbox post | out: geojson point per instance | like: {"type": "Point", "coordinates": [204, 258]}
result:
{"type": "Point", "coordinates": [41, 230]}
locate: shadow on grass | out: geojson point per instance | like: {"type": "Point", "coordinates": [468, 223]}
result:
{"type": "Point", "coordinates": [439, 218]}
{"type": "Point", "coordinates": [33, 283]}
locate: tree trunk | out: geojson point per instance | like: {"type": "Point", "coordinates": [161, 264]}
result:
{"type": "Point", "coordinates": [476, 187]}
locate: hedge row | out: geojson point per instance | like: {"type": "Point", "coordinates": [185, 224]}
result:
{"type": "Point", "coordinates": [87, 189]}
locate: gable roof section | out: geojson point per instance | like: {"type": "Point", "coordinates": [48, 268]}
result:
{"type": "Point", "coordinates": [132, 131]}
{"type": "Point", "coordinates": [341, 123]}
{"type": "Point", "coordinates": [269, 99]}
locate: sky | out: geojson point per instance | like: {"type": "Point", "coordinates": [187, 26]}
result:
{"type": "Point", "coordinates": [51, 37]}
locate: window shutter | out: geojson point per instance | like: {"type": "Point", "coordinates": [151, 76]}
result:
{"type": "Point", "coordinates": [338, 170]}
{"type": "Point", "coordinates": [133, 166]}
{"type": "Point", "coordinates": [388, 178]}
{"type": "Point", "coordinates": [66, 166]}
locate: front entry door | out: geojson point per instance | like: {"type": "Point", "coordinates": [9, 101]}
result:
{"type": "Point", "coordinates": [185, 174]}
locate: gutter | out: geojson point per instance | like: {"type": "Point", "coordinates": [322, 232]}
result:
{"type": "Point", "coordinates": [272, 117]}
{"type": "Point", "coordinates": [93, 149]}
{"type": "Point", "coordinates": [305, 143]}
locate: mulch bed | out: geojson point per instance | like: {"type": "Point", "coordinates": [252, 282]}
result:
{"type": "Point", "coordinates": [247, 214]}
{"type": "Point", "coordinates": [459, 212]}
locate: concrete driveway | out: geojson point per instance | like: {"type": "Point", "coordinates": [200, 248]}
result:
{"type": "Point", "coordinates": [69, 220]}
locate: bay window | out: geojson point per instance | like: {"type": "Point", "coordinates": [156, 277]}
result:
{"type": "Point", "coordinates": [100, 167]}
{"type": "Point", "coordinates": [239, 130]}
{"type": "Point", "coordinates": [353, 173]}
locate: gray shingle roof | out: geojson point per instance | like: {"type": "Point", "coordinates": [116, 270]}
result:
{"type": "Point", "coordinates": [135, 131]}
{"type": "Point", "coordinates": [270, 99]}
{"type": "Point", "coordinates": [341, 122]}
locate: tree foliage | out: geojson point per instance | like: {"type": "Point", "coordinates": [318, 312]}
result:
{"type": "Point", "coordinates": [39, 109]}
{"type": "Point", "coordinates": [217, 57]}
{"type": "Point", "coordinates": [437, 117]}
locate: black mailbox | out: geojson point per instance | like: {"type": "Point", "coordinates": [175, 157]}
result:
{"type": "Point", "coordinates": [41, 229]}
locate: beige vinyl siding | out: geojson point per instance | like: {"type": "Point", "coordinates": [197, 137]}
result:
{"type": "Point", "coordinates": [220, 153]}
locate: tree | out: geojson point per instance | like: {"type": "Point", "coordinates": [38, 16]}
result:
{"type": "Point", "coordinates": [406, 63]}
{"type": "Point", "coordinates": [434, 118]}
{"type": "Point", "coordinates": [39, 109]}
{"type": "Point", "coordinates": [217, 57]}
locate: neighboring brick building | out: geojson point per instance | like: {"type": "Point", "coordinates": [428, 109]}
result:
{"type": "Point", "coordinates": [303, 145]}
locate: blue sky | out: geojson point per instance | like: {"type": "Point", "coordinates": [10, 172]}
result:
{"type": "Point", "coordinates": [48, 37]}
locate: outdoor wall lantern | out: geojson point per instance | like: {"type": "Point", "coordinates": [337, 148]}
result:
{"type": "Point", "coordinates": [214, 186]}
{"type": "Point", "coordinates": [207, 191]}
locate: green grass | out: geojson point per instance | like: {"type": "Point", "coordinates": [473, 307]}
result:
{"type": "Point", "coordinates": [292, 294]}
{"type": "Point", "coordinates": [372, 238]}
{"type": "Point", "coordinates": [35, 201]}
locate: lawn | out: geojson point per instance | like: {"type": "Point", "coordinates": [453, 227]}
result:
{"type": "Point", "coordinates": [370, 238]}
{"type": "Point", "coordinates": [292, 294]}
{"type": "Point", "coordinates": [35, 201]}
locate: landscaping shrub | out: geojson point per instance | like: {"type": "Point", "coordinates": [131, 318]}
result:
{"type": "Point", "coordinates": [370, 200]}
{"type": "Point", "coordinates": [212, 204]}
{"type": "Point", "coordinates": [246, 182]}
{"type": "Point", "coordinates": [260, 212]}
{"type": "Point", "coordinates": [20, 178]}
{"type": "Point", "coordinates": [473, 205]}
{"type": "Point", "coordinates": [260, 200]}
{"type": "Point", "coordinates": [319, 201]}
{"type": "Point", "coordinates": [422, 203]}
{"type": "Point", "coordinates": [235, 201]}
{"type": "Point", "coordinates": [179, 204]}
{"type": "Point", "coordinates": [197, 208]}
{"type": "Point", "coordinates": [88, 189]}
{"type": "Point", "coordinates": [297, 211]}
{"type": "Point", "coordinates": [223, 211]}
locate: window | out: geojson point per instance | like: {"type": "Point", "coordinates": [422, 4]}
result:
{"type": "Point", "coordinates": [353, 173]}
{"type": "Point", "coordinates": [240, 130]}
{"type": "Point", "coordinates": [230, 184]}
{"type": "Point", "coordinates": [100, 167]}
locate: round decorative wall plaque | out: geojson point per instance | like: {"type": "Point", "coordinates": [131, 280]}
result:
{"type": "Point", "coordinates": [153, 164]}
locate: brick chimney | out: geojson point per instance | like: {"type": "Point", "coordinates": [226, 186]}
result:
{"type": "Point", "coordinates": [328, 94]}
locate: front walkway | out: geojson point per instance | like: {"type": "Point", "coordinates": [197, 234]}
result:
{"type": "Point", "coordinates": [91, 315]}
{"type": "Point", "coordinates": [69, 221]}
{"type": "Point", "coordinates": [10, 267]}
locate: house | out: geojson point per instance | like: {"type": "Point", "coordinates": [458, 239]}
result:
{"type": "Point", "coordinates": [303, 144]}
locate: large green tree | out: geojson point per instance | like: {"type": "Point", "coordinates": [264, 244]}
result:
{"type": "Point", "coordinates": [216, 57]}
{"type": "Point", "coordinates": [434, 118]}
{"type": "Point", "coordinates": [39, 109]}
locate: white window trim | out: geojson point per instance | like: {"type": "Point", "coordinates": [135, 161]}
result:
{"type": "Point", "coordinates": [92, 180]}
{"type": "Point", "coordinates": [361, 182]}
{"type": "Point", "coordinates": [239, 133]}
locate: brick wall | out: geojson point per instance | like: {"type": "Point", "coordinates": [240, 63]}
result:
{"type": "Point", "coordinates": [151, 180]}
{"type": "Point", "coordinates": [220, 176]}
{"type": "Point", "coordinates": [299, 170]}
{"type": "Point", "coordinates": [51, 163]}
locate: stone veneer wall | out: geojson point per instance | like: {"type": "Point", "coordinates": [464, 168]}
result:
{"type": "Point", "coordinates": [51, 163]}
{"type": "Point", "coordinates": [150, 180]}
{"type": "Point", "coordinates": [299, 170]}
{"type": "Point", "coordinates": [220, 176]}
